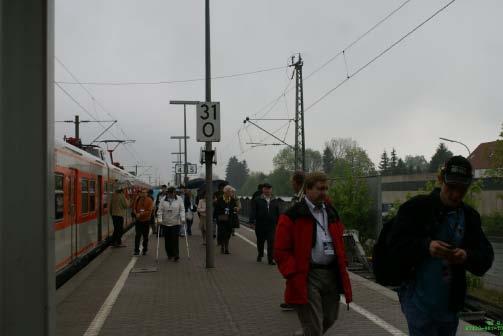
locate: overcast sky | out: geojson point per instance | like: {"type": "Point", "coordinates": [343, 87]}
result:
{"type": "Point", "coordinates": [444, 80]}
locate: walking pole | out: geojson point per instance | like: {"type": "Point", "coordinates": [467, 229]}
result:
{"type": "Point", "coordinates": [187, 242]}
{"type": "Point", "coordinates": [157, 249]}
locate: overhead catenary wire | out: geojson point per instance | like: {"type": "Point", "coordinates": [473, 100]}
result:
{"type": "Point", "coordinates": [272, 104]}
{"type": "Point", "coordinates": [379, 55]}
{"type": "Point", "coordinates": [95, 102]}
{"type": "Point", "coordinates": [350, 45]}
{"type": "Point", "coordinates": [241, 74]}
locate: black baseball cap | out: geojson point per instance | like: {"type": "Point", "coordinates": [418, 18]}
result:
{"type": "Point", "coordinates": [266, 185]}
{"type": "Point", "coordinates": [458, 170]}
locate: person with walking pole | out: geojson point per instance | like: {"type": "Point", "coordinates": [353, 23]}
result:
{"type": "Point", "coordinates": [171, 215]}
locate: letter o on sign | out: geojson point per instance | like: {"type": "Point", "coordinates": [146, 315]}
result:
{"type": "Point", "coordinates": [208, 121]}
{"type": "Point", "coordinates": [208, 129]}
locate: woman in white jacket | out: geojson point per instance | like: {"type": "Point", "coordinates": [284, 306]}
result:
{"type": "Point", "coordinates": [171, 215]}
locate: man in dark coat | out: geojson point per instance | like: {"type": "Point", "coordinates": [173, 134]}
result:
{"type": "Point", "coordinates": [263, 218]}
{"type": "Point", "coordinates": [435, 239]}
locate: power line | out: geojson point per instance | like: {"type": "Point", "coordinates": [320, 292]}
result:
{"type": "Point", "coordinates": [241, 74]}
{"type": "Point", "coordinates": [349, 46]}
{"type": "Point", "coordinates": [379, 55]}
{"type": "Point", "coordinates": [95, 101]}
{"type": "Point", "coordinates": [76, 102]}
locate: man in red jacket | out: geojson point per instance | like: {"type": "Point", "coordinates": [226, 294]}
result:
{"type": "Point", "coordinates": [309, 251]}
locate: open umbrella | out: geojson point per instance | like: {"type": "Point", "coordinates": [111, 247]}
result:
{"type": "Point", "coordinates": [200, 183]}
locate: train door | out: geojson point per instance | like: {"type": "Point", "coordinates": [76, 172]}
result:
{"type": "Point", "coordinates": [73, 212]}
{"type": "Point", "coordinates": [99, 191]}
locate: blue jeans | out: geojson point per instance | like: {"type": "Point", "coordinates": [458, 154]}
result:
{"type": "Point", "coordinates": [419, 322]}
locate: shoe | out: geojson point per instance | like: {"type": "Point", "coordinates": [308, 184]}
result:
{"type": "Point", "coordinates": [286, 307]}
{"type": "Point", "coordinates": [259, 259]}
{"type": "Point", "coordinates": [227, 252]}
{"type": "Point", "coordinates": [144, 252]}
{"type": "Point", "coordinates": [271, 262]}
{"type": "Point", "coordinates": [169, 258]}
{"type": "Point", "coordinates": [222, 249]}
{"type": "Point", "coordinates": [136, 254]}
{"type": "Point", "coordinates": [176, 259]}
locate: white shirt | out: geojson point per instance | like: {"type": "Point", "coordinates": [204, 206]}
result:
{"type": "Point", "coordinates": [171, 211]}
{"type": "Point", "coordinates": [322, 235]}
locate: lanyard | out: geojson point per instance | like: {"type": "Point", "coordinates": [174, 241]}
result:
{"type": "Point", "coordinates": [319, 224]}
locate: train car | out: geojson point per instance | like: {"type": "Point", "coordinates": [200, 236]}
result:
{"type": "Point", "coordinates": [84, 184]}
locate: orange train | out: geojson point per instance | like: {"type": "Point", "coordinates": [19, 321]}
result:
{"type": "Point", "coordinates": [84, 183]}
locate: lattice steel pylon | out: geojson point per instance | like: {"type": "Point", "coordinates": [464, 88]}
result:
{"type": "Point", "coordinates": [300, 144]}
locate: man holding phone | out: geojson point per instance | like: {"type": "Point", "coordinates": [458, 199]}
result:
{"type": "Point", "coordinates": [435, 239]}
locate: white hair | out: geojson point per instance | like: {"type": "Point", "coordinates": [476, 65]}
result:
{"type": "Point", "coordinates": [229, 188]}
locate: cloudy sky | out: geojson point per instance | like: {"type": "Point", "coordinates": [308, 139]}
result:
{"type": "Point", "coordinates": [444, 80]}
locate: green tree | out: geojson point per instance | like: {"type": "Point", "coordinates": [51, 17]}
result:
{"type": "Point", "coordinates": [328, 160]}
{"type": "Point", "coordinates": [401, 168]}
{"type": "Point", "coordinates": [348, 154]}
{"type": "Point", "coordinates": [250, 185]}
{"type": "Point", "coordinates": [416, 164]}
{"type": "Point", "coordinates": [440, 157]}
{"type": "Point", "coordinates": [384, 165]}
{"type": "Point", "coordinates": [393, 162]}
{"type": "Point", "coordinates": [497, 158]}
{"type": "Point", "coordinates": [236, 172]}
{"type": "Point", "coordinates": [349, 194]}
{"type": "Point", "coordinates": [285, 159]}
{"type": "Point", "coordinates": [313, 160]}
{"type": "Point", "coordinates": [280, 181]}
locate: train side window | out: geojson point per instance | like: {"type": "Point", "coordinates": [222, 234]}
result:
{"type": "Point", "coordinates": [92, 196]}
{"type": "Point", "coordinates": [85, 195]}
{"type": "Point", "coordinates": [105, 195]}
{"type": "Point", "coordinates": [59, 197]}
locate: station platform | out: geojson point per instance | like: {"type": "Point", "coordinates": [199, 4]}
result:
{"type": "Point", "coordinates": [117, 295]}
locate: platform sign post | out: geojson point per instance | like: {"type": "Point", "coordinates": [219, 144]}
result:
{"type": "Point", "coordinates": [208, 122]}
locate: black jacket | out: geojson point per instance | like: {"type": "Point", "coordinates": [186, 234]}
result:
{"type": "Point", "coordinates": [264, 217]}
{"type": "Point", "coordinates": [410, 238]}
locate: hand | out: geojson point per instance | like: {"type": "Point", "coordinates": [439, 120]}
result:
{"type": "Point", "coordinates": [440, 249]}
{"type": "Point", "coordinates": [458, 256]}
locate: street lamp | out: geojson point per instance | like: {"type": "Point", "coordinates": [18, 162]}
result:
{"type": "Point", "coordinates": [445, 139]}
{"type": "Point", "coordinates": [184, 103]}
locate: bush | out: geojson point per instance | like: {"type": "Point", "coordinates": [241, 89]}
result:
{"type": "Point", "coordinates": [473, 282]}
{"type": "Point", "coordinates": [493, 224]}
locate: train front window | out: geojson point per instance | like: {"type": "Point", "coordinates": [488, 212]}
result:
{"type": "Point", "coordinates": [59, 197]}
{"type": "Point", "coordinates": [85, 196]}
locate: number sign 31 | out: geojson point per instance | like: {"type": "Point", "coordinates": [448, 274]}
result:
{"type": "Point", "coordinates": [208, 121]}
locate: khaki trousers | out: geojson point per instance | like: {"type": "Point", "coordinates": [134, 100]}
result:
{"type": "Point", "coordinates": [322, 309]}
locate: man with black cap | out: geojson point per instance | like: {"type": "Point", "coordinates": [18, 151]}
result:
{"type": "Point", "coordinates": [264, 217]}
{"type": "Point", "coordinates": [435, 239]}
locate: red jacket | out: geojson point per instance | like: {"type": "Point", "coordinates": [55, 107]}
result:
{"type": "Point", "coordinates": [295, 238]}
